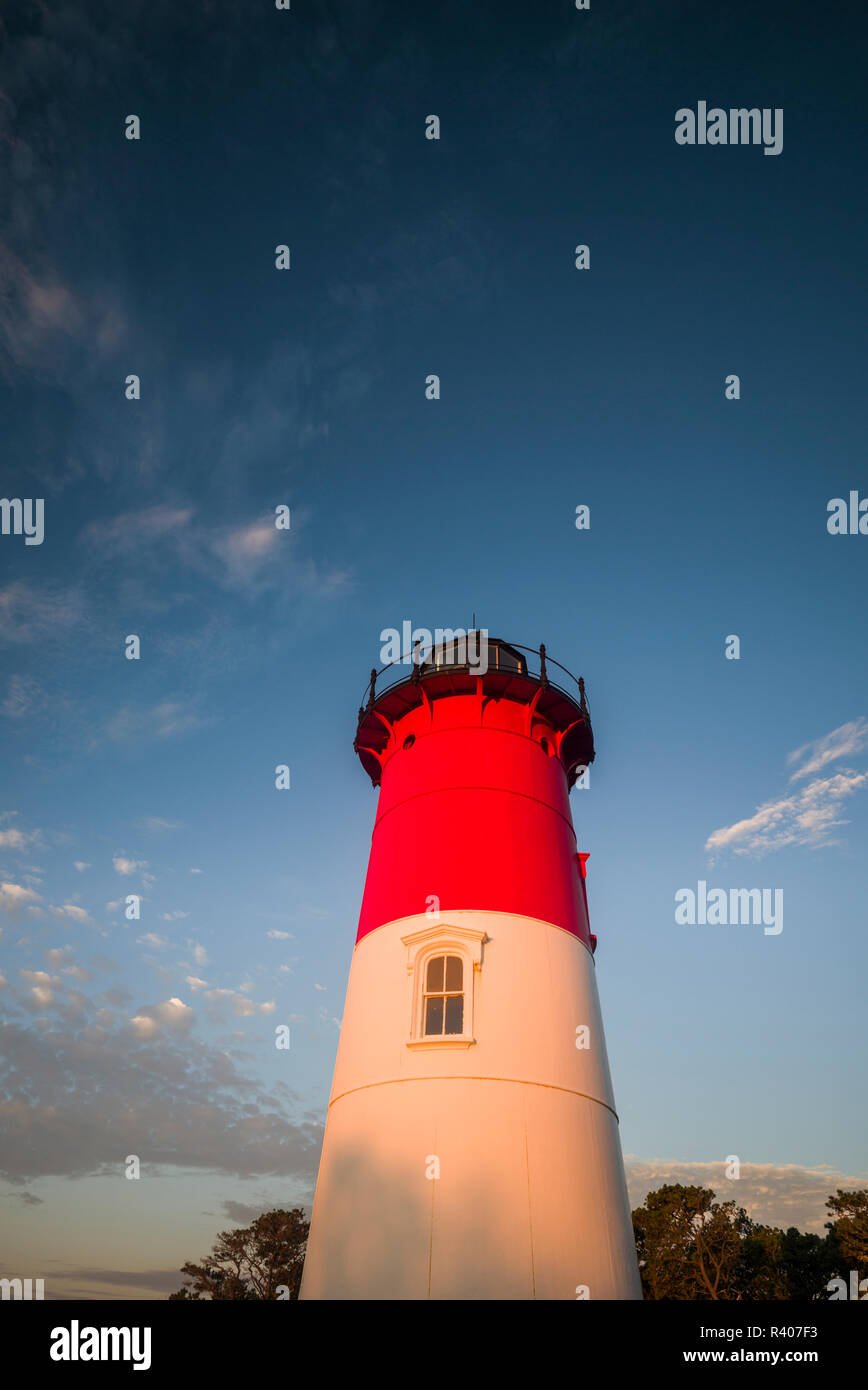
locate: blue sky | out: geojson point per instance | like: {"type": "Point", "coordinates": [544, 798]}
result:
{"type": "Point", "coordinates": [306, 387]}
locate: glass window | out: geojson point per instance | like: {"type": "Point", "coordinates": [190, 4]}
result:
{"type": "Point", "coordinates": [443, 1011]}
{"type": "Point", "coordinates": [435, 974]}
{"type": "Point", "coordinates": [454, 1013]}
{"type": "Point", "coordinates": [434, 1014]}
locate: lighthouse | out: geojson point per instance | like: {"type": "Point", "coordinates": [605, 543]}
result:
{"type": "Point", "coordinates": [471, 1146]}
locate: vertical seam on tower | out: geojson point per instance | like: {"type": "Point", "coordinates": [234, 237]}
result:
{"type": "Point", "coordinates": [431, 1227]}
{"type": "Point", "coordinates": [529, 1211]}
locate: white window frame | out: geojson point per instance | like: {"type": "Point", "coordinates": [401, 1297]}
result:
{"type": "Point", "coordinates": [442, 940]}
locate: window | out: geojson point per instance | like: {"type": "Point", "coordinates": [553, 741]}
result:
{"type": "Point", "coordinates": [444, 965]}
{"type": "Point", "coordinates": [444, 996]}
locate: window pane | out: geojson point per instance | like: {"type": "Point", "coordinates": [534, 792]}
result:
{"type": "Point", "coordinates": [454, 1013]}
{"type": "Point", "coordinates": [435, 974]}
{"type": "Point", "coordinates": [453, 972]}
{"type": "Point", "coordinates": [434, 1016]}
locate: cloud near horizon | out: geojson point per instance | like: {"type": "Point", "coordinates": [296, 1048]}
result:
{"type": "Point", "coordinates": [775, 1194]}
{"type": "Point", "coordinates": [66, 1097]}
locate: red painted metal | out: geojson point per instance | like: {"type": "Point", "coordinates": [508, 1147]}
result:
{"type": "Point", "coordinates": [474, 813]}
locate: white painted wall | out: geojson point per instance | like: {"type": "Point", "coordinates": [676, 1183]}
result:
{"type": "Point", "coordinates": [531, 1200]}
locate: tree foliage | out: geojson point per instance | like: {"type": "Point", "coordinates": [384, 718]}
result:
{"type": "Point", "coordinates": [848, 1232]}
{"type": "Point", "coordinates": [259, 1261]}
{"type": "Point", "coordinates": [691, 1246]}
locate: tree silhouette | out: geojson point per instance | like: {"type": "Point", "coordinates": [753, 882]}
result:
{"type": "Point", "coordinates": [848, 1232]}
{"type": "Point", "coordinates": [691, 1246]}
{"type": "Point", "coordinates": [261, 1261]}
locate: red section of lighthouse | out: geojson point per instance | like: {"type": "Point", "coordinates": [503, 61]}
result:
{"type": "Point", "coordinates": [474, 793]}
{"type": "Point", "coordinates": [472, 1041]}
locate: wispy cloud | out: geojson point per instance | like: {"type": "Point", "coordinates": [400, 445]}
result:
{"type": "Point", "coordinates": [163, 720]}
{"type": "Point", "coordinates": [128, 532]}
{"type": "Point", "coordinates": [125, 867]}
{"type": "Point", "coordinates": [57, 956]}
{"type": "Point", "coordinates": [44, 322]}
{"type": "Point", "coordinates": [247, 556]}
{"type": "Point", "coordinates": [27, 614]}
{"type": "Point", "coordinates": [19, 839]}
{"type": "Point", "coordinates": [77, 972]}
{"type": "Point", "coordinates": [25, 697]}
{"type": "Point", "coordinates": [220, 1000]}
{"type": "Point", "coordinates": [172, 1016]}
{"type": "Point", "coordinates": [73, 912]}
{"type": "Point", "coordinates": [13, 898]}
{"type": "Point", "coordinates": [42, 986]}
{"type": "Point", "coordinates": [244, 549]}
{"type": "Point", "coordinates": [840, 743]}
{"type": "Point", "coordinates": [809, 816]}
{"type": "Point", "coordinates": [110, 1285]}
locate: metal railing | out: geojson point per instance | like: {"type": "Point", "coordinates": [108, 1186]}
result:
{"type": "Point", "coordinates": [420, 669]}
